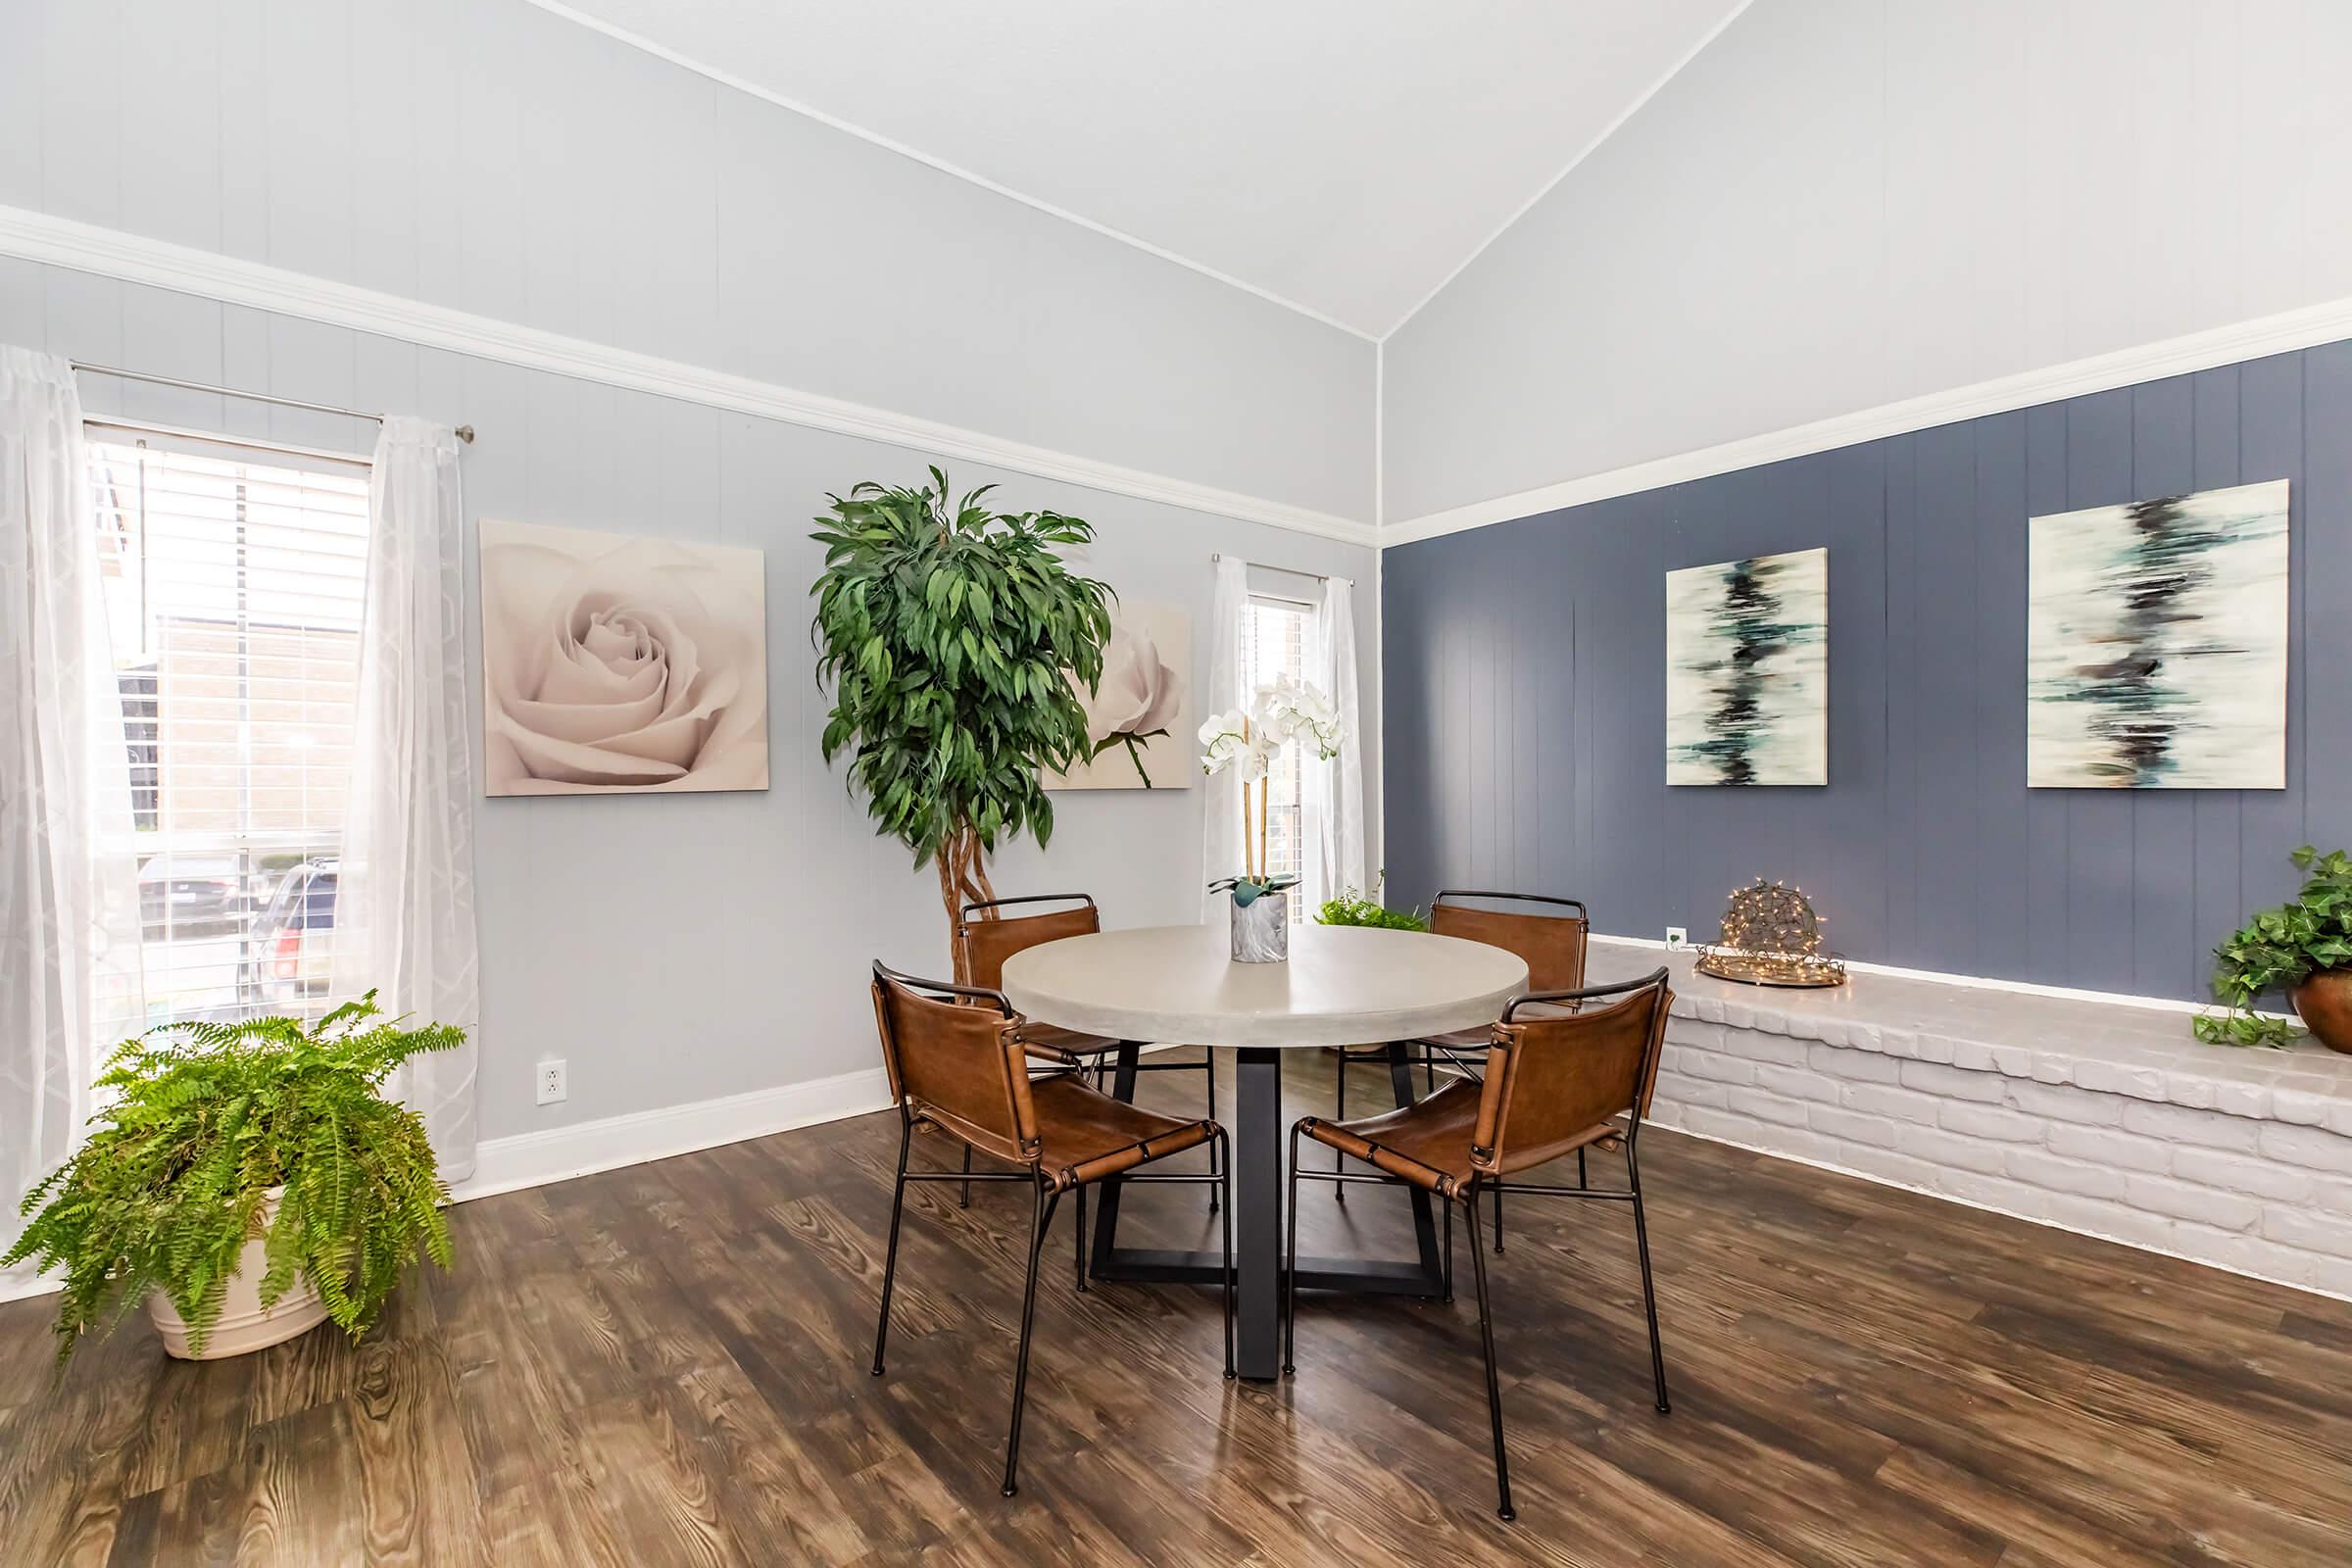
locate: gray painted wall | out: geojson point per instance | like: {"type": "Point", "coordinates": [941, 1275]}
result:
{"type": "Point", "coordinates": [688, 947]}
{"type": "Point", "coordinates": [1845, 203]}
{"type": "Point", "coordinates": [489, 156]}
{"type": "Point", "coordinates": [1526, 688]}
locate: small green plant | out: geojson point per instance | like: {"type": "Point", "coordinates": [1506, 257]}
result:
{"type": "Point", "coordinates": [1351, 908]}
{"type": "Point", "coordinates": [951, 634]}
{"type": "Point", "coordinates": [2279, 949]}
{"type": "Point", "coordinates": [199, 1123]}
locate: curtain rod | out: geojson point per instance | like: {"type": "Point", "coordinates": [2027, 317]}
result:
{"type": "Point", "coordinates": [1216, 556]}
{"type": "Point", "coordinates": [464, 431]}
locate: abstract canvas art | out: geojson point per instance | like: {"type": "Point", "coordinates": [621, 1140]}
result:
{"type": "Point", "coordinates": [1138, 721]}
{"type": "Point", "coordinates": [1747, 671]}
{"type": "Point", "coordinates": [614, 664]}
{"type": "Point", "coordinates": [2156, 644]}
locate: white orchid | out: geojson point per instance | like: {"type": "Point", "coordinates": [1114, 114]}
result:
{"type": "Point", "coordinates": [1288, 709]}
{"type": "Point", "coordinates": [1229, 740]}
{"type": "Point", "coordinates": [1296, 709]}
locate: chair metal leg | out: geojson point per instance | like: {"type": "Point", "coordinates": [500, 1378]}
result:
{"type": "Point", "coordinates": [1339, 1112]}
{"type": "Point", "coordinates": [1448, 1275]}
{"type": "Point", "coordinates": [1486, 1335]}
{"type": "Point", "coordinates": [1499, 1220]}
{"type": "Point", "coordinates": [1041, 1215]}
{"type": "Point", "coordinates": [1225, 1213]}
{"type": "Point", "coordinates": [1429, 1069]}
{"type": "Point", "coordinates": [965, 1201]}
{"type": "Point", "coordinates": [1082, 1240]}
{"type": "Point", "coordinates": [1580, 1169]}
{"type": "Point", "coordinates": [1649, 1294]}
{"type": "Point", "coordinates": [1290, 1261]}
{"type": "Point", "coordinates": [1208, 1057]}
{"type": "Point", "coordinates": [890, 1259]}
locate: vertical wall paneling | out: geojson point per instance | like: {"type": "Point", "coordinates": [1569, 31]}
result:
{"type": "Point", "coordinates": [1926, 849]}
{"type": "Point", "coordinates": [691, 946]}
{"type": "Point", "coordinates": [2270, 443]}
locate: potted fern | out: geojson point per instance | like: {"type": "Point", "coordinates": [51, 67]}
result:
{"type": "Point", "coordinates": [246, 1181]}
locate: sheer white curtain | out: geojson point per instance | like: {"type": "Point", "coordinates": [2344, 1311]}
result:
{"type": "Point", "coordinates": [1337, 786]}
{"type": "Point", "coordinates": [405, 905]}
{"type": "Point", "coordinates": [1221, 793]}
{"type": "Point", "coordinates": [69, 962]}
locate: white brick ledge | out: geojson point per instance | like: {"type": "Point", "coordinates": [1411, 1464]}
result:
{"type": "Point", "coordinates": [2100, 1117]}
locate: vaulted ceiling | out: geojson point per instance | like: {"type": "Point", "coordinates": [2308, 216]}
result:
{"type": "Point", "coordinates": [1346, 157]}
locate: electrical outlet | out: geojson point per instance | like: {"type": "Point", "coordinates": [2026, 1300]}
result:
{"type": "Point", "coordinates": [1676, 939]}
{"type": "Point", "coordinates": [555, 1081]}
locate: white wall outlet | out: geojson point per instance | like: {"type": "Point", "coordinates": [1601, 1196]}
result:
{"type": "Point", "coordinates": [555, 1081]}
{"type": "Point", "coordinates": [1676, 939]}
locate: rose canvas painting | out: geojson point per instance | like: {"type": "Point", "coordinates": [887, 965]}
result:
{"type": "Point", "coordinates": [2156, 643]}
{"type": "Point", "coordinates": [1137, 720]}
{"type": "Point", "coordinates": [615, 665]}
{"type": "Point", "coordinates": [1747, 671]}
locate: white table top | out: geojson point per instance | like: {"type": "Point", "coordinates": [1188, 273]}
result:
{"type": "Point", "coordinates": [1342, 986]}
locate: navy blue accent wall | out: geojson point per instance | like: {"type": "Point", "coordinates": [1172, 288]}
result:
{"type": "Point", "coordinates": [1524, 692]}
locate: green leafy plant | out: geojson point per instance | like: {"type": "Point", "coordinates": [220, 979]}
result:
{"type": "Point", "coordinates": [2279, 949]}
{"type": "Point", "coordinates": [1351, 908]}
{"type": "Point", "coordinates": [949, 635]}
{"type": "Point", "coordinates": [199, 1123]}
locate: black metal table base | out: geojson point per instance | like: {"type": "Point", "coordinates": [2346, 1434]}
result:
{"type": "Point", "coordinates": [1258, 1187]}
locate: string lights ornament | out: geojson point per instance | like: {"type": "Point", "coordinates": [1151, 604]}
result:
{"type": "Point", "coordinates": [1771, 937]}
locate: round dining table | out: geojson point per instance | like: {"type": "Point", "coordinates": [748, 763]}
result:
{"type": "Point", "coordinates": [1342, 986]}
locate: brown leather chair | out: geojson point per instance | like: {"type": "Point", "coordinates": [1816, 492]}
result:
{"type": "Point", "coordinates": [985, 937]}
{"type": "Point", "coordinates": [958, 1061]}
{"type": "Point", "coordinates": [1566, 1071]}
{"type": "Point", "coordinates": [1551, 945]}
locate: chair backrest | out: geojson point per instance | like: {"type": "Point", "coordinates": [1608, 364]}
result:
{"type": "Point", "coordinates": [954, 1055]}
{"type": "Point", "coordinates": [985, 938]}
{"type": "Point", "coordinates": [1554, 1075]}
{"type": "Point", "coordinates": [1552, 944]}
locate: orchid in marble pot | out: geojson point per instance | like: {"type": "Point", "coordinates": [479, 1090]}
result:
{"type": "Point", "coordinates": [1287, 711]}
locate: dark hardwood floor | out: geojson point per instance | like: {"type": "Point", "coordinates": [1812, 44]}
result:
{"type": "Point", "coordinates": [668, 1364]}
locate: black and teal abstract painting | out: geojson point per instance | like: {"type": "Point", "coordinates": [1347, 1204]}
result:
{"type": "Point", "coordinates": [2156, 644]}
{"type": "Point", "coordinates": [1747, 671]}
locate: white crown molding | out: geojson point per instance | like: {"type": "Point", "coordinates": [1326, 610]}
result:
{"type": "Point", "coordinates": [112, 253]}
{"type": "Point", "coordinates": [2283, 334]}
{"type": "Point", "coordinates": [752, 90]}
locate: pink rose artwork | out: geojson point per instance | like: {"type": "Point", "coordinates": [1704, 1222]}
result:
{"type": "Point", "coordinates": [1136, 716]}
{"type": "Point", "coordinates": [619, 664]}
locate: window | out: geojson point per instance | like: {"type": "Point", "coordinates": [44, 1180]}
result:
{"type": "Point", "coordinates": [1276, 634]}
{"type": "Point", "coordinates": [234, 578]}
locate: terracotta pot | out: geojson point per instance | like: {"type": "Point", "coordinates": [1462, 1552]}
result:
{"type": "Point", "coordinates": [2325, 1002]}
{"type": "Point", "coordinates": [243, 1325]}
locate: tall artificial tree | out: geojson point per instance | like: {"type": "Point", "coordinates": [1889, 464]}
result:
{"type": "Point", "coordinates": [950, 637]}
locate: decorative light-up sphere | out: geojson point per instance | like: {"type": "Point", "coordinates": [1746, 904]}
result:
{"type": "Point", "coordinates": [1771, 937]}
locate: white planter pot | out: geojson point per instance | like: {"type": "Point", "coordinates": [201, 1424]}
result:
{"type": "Point", "coordinates": [243, 1325]}
{"type": "Point", "coordinates": [1261, 929]}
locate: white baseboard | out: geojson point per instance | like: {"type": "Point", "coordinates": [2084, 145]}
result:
{"type": "Point", "coordinates": [559, 1154]}
{"type": "Point", "coordinates": [533, 1159]}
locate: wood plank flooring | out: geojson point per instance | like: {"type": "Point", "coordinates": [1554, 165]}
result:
{"type": "Point", "coordinates": [668, 1364]}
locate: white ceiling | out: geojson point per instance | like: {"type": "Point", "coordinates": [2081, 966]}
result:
{"type": "Point", "coordinates": [1346, 157]}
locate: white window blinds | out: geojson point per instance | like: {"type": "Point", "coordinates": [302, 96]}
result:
{"type": "Point", "coordinates": [1276, 634]}
{"type": "Point", "coordinates": [233, 579]}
